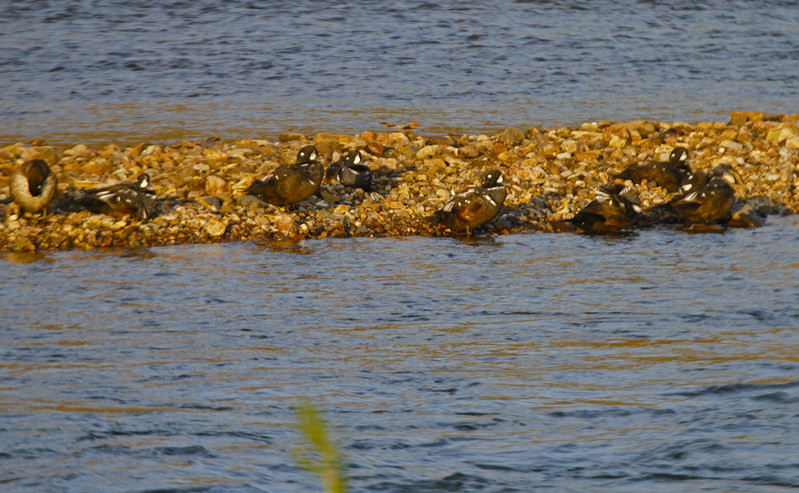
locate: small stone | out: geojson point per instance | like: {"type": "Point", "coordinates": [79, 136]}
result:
{"type": "Point", "coordinates": [793, 142]}
{"type": "Point", "coordinates": [428, 152]}
{"type": "Point", "coordinates": [571, 146]}
{"type": "Point", "coordinates": [737, 118]}
{"type": "Point", "coordinates": [214, 228]}
{"type": "Point", "coordinates": [292, 136]}
{"type": "Point", "coordinates": [152, 150]}
{"type": "Point", "coordinates": [213, 203]}
{"type": "Point", "coordinates": [285, 225]}
{"type": "Point", "coordinates": [396, 138]}
{"type": "Point", "coordinates": [512, 136]}
{"type": "Point", "coordinates": [96, 167]}
{"type": "Point", "coordinates": [617, 142]}
{"type": "Point", "coordinates": [731, 145]}
{"type": "Point", "coordinates": [327, 143]}
{"type": "Point", "coordinates": [80, 150]}
{"type": "Point", "coordinates": [46, 153]}
{"type": "Point", "coordinates": [777, 135]}
{"type": "Point", "coordinates": [507, 156]}
{"type": "Point", "coordinates": [375, 147]}
{"type": "Point", "coordinates": [135, 151]}
{"type": "Point", "coordinates": [215, 185]}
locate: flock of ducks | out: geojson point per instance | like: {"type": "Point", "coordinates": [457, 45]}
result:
{"type": "Point", "coordinates": [697, 197]}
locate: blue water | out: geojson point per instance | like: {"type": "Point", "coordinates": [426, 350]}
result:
{"type": "Point", "coordinates": [126, 71]}
{"type": "Point", "coordinates": [660, 361]}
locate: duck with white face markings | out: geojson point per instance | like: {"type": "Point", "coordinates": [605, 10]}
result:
{"type": "Point", "coordinates": [670, 174]}
{"type": "Point", "coordinates": [291, 183]}
{"type": "Point", "coordinates": [138, 199]}
{"type": "Point", "coordinates": [475, 205]}
{"type": "Point", "coordinates": [350, 172]}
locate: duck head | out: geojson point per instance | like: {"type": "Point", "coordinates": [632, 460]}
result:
{"type": "Point", "coordinates": [493, 178]}
{"type": "Point", "coordinates": [307, 155]}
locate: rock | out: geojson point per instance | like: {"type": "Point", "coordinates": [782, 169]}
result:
{"type": "Point", "coordinates": [550, 174]}
{"type": "Point", "coordinates": [428, 152]}
{"type": "Point", "coordinates": [250, 203]}
{"type": "Point", "coordinates": [215, 185]}
{"type": "Point", "coordinates": [152, 150]}
{"type": "Point", "coordinates": [512, 136]}
{"type": "Point", "coordinates": [442, 140]}
{"type": "Point", "coordinates": [375, 147]}
{"type": "Point", "coordinates": [80, 151]}
{"type": "Point", "coordinates": [779, 134]}
{"type": "Point", "coordinates": [327, 143]}
{"type": "Point", "coordinates": [396, 138]}
{"type": "Point", "coordinates": [285, 225]}
{"type": "Point", "coordinates": [212, 203]}
{"type": "Point", "coordinates": [571, 146]}
{"type": "Point", "coordinates": [793, 142]}
{"type": "Point", "coordinates": [135, 151]}
{"type": "Point", "coordinates": [292, 136]}
{"type": "Point", "coordinates": [731, 145]}
{"type": "Point", "coordinates": [215, 229]}
{"type": "Point", "coordinates": [617, 142]}
{"type": "Point", "coordinates": [46, 153]}
{"type": "Point", "coordinates": [96, 167]}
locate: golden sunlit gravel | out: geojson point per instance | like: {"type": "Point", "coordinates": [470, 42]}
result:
{"type": "Point", "coordinates": [550, 173]}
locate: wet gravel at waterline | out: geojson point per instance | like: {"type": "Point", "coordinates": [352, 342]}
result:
{"type": "Point", "coordinates": [657, 361]}
{"type": "Point", "coordinates": [203, 188]}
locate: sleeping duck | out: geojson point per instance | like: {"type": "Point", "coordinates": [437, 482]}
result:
{"type": "Point", "coordinates": [706, 203]}
{"type": "Point", "coordinates": [33, 185]}
{"type": "Point", "coordinates": [614, 208]}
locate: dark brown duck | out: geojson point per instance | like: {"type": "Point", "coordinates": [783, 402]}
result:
{"type": "Point", "coordinates": [291, 183]}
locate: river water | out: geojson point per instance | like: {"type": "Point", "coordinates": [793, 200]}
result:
{"type": "Point", "coordinates": [659, 361]}
{"type": "Point", "coordinates": [130, 70]}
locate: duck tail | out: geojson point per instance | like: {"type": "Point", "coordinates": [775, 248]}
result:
{"type": "Point", "coordinates": [441, 218]}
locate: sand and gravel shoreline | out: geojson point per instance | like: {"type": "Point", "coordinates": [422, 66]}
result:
{"type": "Point", "coordinates": [550, 174]}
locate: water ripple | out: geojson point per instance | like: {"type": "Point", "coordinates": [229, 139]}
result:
{"type": "Point", "coordinates": [128, 71]}
{"type": "Point", "coordinates": [657, 362]}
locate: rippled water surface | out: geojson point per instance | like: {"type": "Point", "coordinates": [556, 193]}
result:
{"type": "Point", "coordinates": [124, 71]}
{"type": "Point", "coordinates": [662, 361]}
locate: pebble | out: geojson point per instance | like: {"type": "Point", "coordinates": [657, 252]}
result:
{"type": "Point", "coordinates": [551, 173]}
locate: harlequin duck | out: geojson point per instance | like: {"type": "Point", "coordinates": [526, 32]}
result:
{"type": "Point", "coordinates": [692, 182]}
{"type": "Point", "coordinates": [291, 183]}
{"type": "Point", "coordinates": [706, 203]}
{"type": "Point", "coordinates": [123, 198]}
{"type": "Point", "coordinates": [475, 205]}
{"type": "Point", "coordinates": [350, 172]}
{"type": "Point", "coordinates": [33, 185]}
{"type": "Point", "coordinates": [614, 207]}
{"type": "Point", "coordinates": [669, 174]}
